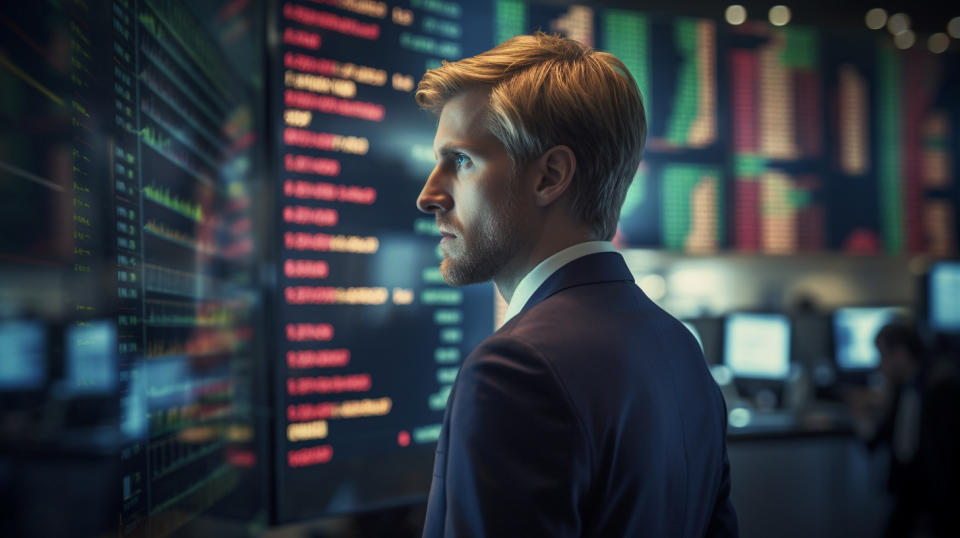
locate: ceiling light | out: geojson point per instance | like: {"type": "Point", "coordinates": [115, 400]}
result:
{"type": "Point", "coordinates": [779, 15]}
{"type": "Point", "coordinates": [953, 27]}
{"type": "Point", "coordinates": [938, 42]}
{"type": "Point", "coordinates": [736, 14]}
{"type": "Point", "coordinates": [876, 18]}
{"type": "Point", "coordinates": [898, 23]}
{"type": "Point", "coordinates": [905, 40]}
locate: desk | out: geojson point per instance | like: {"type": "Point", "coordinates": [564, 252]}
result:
{"type": "Point", "coordinates": [806, 476]}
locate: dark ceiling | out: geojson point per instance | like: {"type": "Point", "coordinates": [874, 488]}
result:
{"type": "Point", "coordinates": [926, 16]}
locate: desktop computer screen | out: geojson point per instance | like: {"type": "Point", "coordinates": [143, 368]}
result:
{"type": "Point", "coordinates": [854, 330]}
{"type": "Point", "coordinates": [943, 291]}
{"type": "Point", "coordinates": [757, 346]}
{"type": "Point", "coordinates": [24, 365]}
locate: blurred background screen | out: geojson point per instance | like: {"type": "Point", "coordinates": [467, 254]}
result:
{"type": "Point", "coordinates": [944, 291]}
{"type": "Point", "coordinates": [854, 331]}
{"type": "Point", "coordinates": [131, 154]}
{"type": "Point", "coordinates": [25, 367]}
{"type": "Point", "coordinates": [757, 345]}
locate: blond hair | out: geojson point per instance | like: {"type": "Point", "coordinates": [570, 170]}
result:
{"type": "Point", "coordinates": [546, 91]}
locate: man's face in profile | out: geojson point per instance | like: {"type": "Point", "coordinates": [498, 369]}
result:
{"type": "Point", "coordinates": [472, 193]}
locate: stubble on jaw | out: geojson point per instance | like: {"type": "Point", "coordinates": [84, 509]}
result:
{"type": "Point", "coordinates": [480, 259]}
{"type": "Point", "coordinates": [488, 248]}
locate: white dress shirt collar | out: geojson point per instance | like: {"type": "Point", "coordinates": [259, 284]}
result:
{"type": "Point", "coordinates": [532, 280]}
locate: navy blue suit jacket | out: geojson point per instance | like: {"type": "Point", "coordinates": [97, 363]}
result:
{"type": "Point", "coordinates": [590, 413]}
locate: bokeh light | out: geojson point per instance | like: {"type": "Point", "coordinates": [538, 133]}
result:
{"type": "Point", "coordinates": [779, 15]}
{"type": "Point", "coordinates": [905, 40]}
{"type": "Point", "coordinates": [938, 42]}
{"type": "Point", "coordinates": [898, 23]}
{"type": "Point", "coordinates": [736, 14]}
{"type": "Point", "coordinates": [953, 27]}
{"type": "Point", "coordinates": [876, 18]}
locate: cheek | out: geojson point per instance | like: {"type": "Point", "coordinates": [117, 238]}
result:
{"type": "Point", "coordinates": [473, 207]}
{"type": "Point", "coordinates": [482, 202]}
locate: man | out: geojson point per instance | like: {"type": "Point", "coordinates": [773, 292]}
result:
{"type": "Point", "coordinates": [590, 412]}
{"type": "Point", "coordinates": [921, 427]}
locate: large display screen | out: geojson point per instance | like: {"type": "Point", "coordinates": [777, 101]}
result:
{"type": "Point", "coordinates": [130, 307]}
{"type": "Point", "coordinates": [369, 337]}
{"type": "Point", "coordinates": [757, 345]}
{"type": "Point", "coordinates": [776, 140]}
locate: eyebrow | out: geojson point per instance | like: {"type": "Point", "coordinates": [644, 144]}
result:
{"type": "Point", "coordinates": [448, 149]}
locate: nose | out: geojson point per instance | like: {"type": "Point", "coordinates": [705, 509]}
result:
{"type": "Point", "coordinates": [435, 197]}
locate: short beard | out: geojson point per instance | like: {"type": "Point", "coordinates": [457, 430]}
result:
{"type": "Point", "coordinates": [483, 259]}
{"type": "Point", "coordinates": [491, 247]}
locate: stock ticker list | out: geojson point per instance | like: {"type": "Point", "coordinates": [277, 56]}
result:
{"type": "Point", "coordinates": [370, 336]}
{"type": "Point", "coordinates": [130, 181]}
{"type": "Point", "coordinates": [182, 166]}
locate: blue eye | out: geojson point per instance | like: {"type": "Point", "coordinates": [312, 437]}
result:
{"type": "Point", "coordinates": [461, 160]}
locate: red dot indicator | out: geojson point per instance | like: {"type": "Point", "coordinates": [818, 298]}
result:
{"type": "Point", "coordinates": [403, 438]}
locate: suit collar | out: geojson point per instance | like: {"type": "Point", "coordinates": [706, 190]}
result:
{"type": "Point", "coordinates": [538, 275]}
{"type": "Point", "coordinates": [590, 269]}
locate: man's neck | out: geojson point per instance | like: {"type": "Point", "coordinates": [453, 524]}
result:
{"type": "Point", "coordinates": [510, 277]}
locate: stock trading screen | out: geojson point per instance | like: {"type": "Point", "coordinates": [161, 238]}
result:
{"type": "Point", "coordinates": [369, 336]}
{"type": "Point", "coordinates": [775, 140]}
{"type": "Point", "coordinates": [128, 154]}
{"type": "Point", "coordinates": [135, 203]}
{"type": "Point", "coordinates": [761, 140]}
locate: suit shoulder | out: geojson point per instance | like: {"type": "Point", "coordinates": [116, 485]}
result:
{"type": "Point", "coordinates": [596, 313]}
{"type": "Point", "coordinates": [506, 349]}
{"type": "Point", "coordinates": [507, 357]}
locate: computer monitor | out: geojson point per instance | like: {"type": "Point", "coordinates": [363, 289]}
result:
{"type": "Point", "coordinates": [757, 346]}
{"type": "Point", "coordinates": [91, 365]}
{"type": "Point", "coordinates": [854, 331]}
{"type": "Point", "coordinates": [943, 290]}
{"type": "Point", "coordinates": [24, 366]}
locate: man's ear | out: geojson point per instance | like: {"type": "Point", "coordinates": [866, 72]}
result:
{"type": "Point", "coordinates": [555, 172]}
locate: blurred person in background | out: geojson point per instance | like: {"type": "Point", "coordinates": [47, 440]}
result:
{"type": "Point", "coordinates": [917, 417]}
